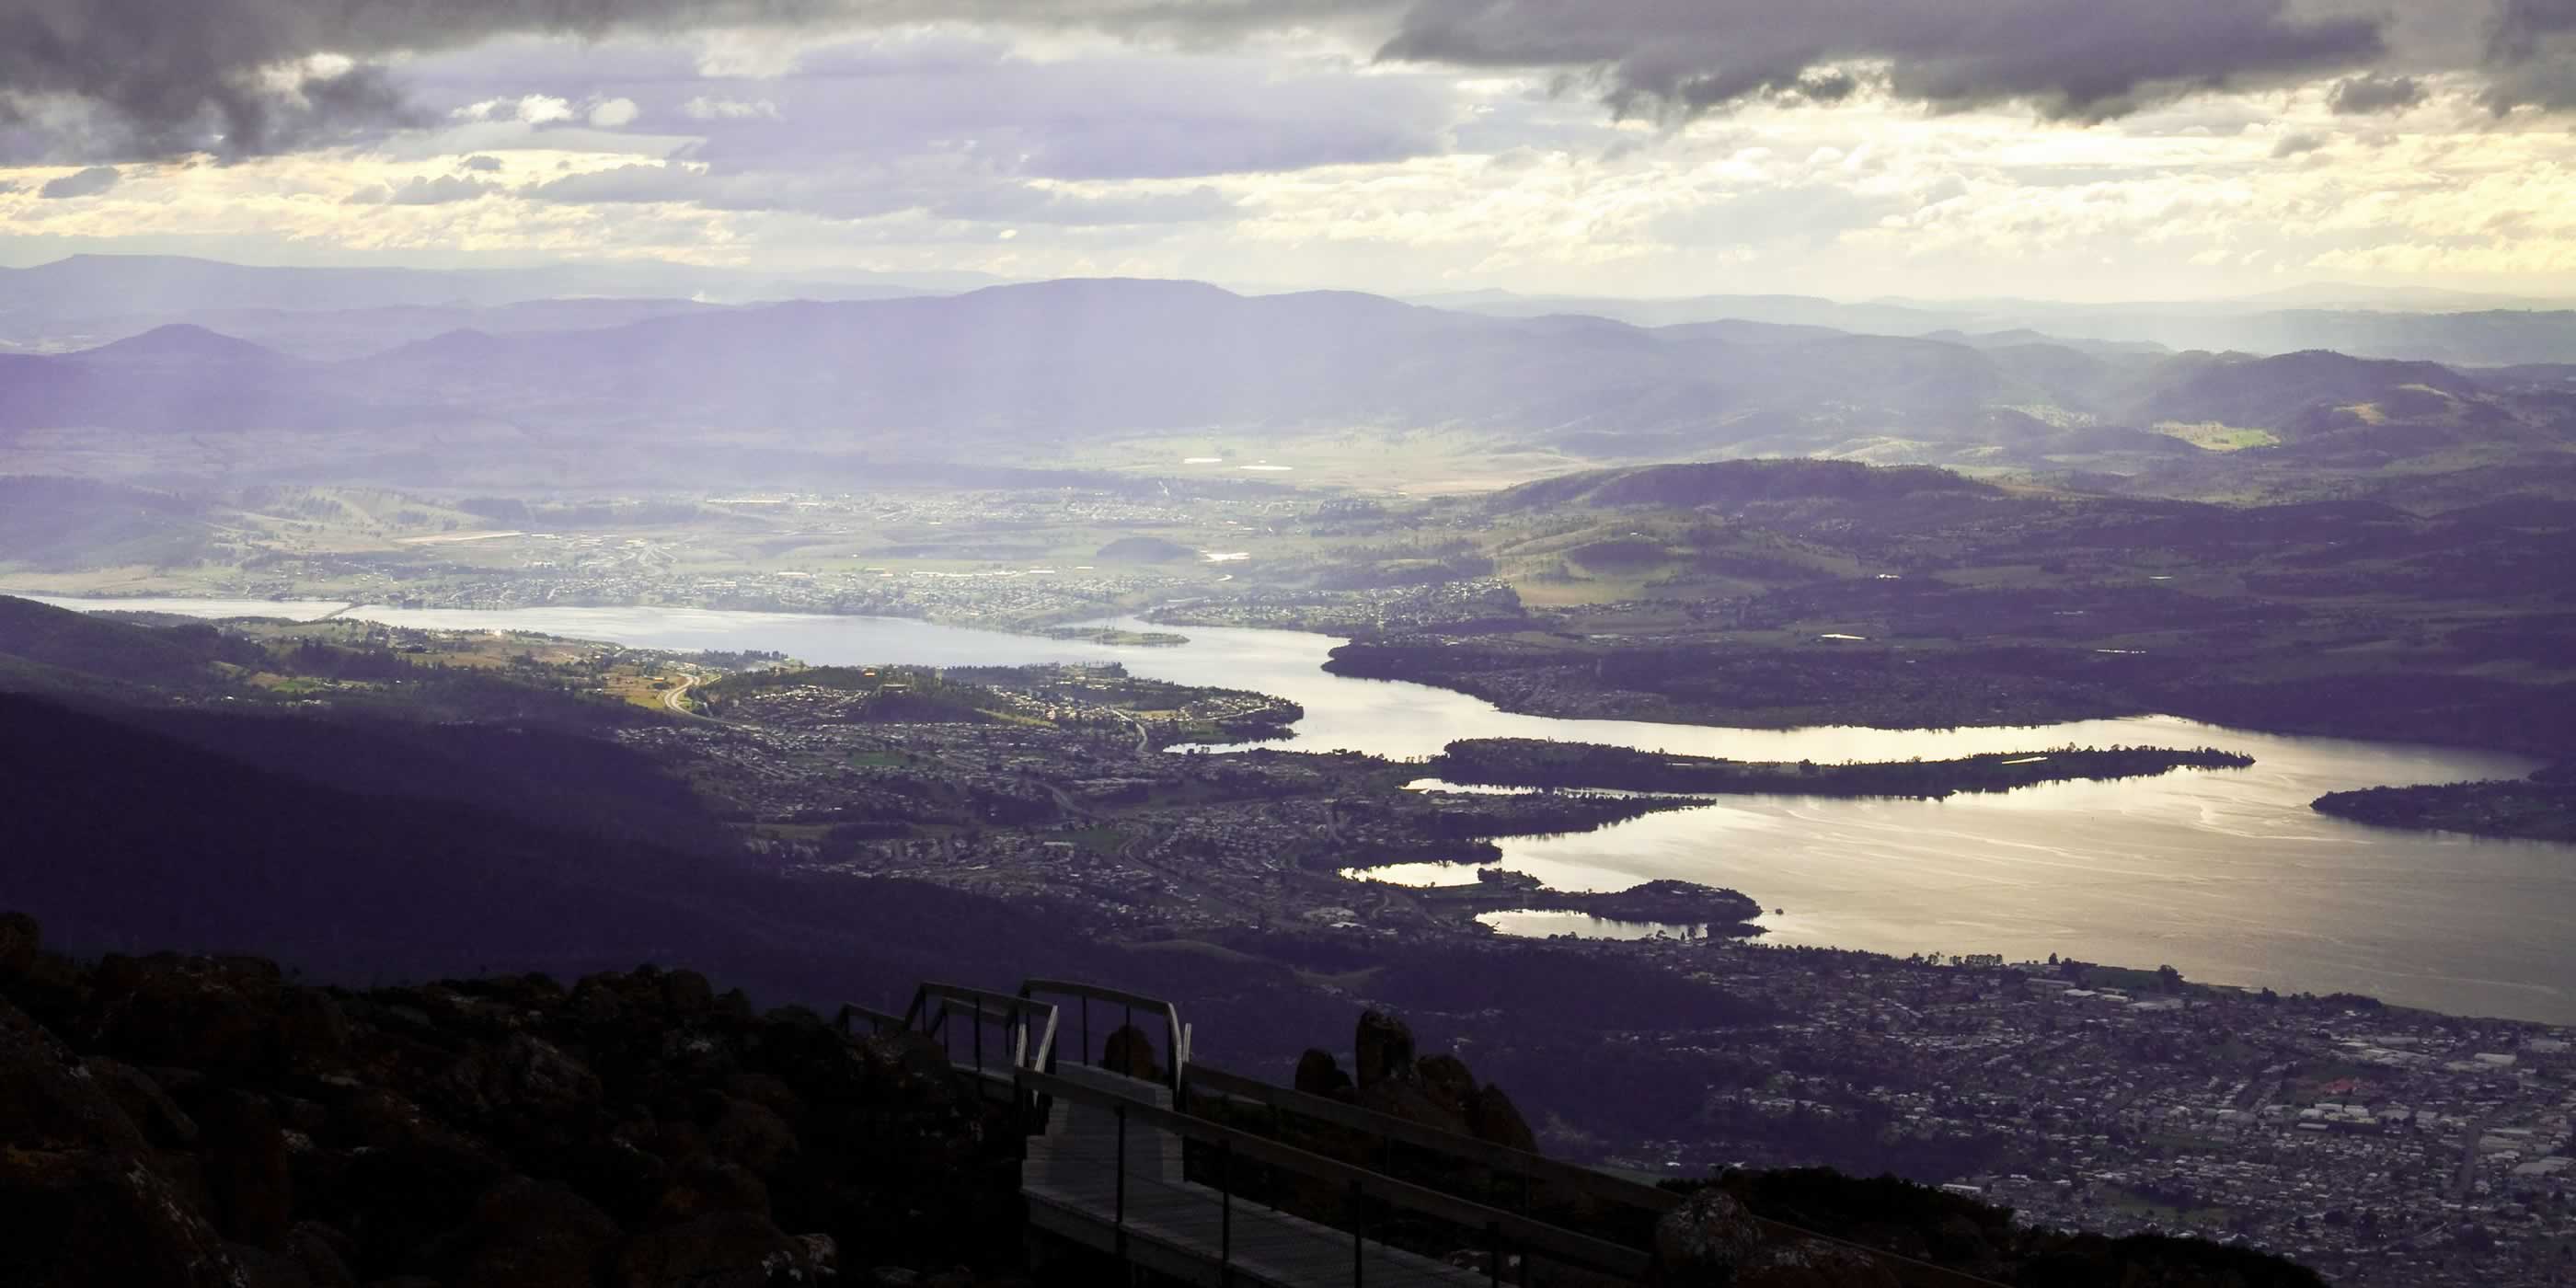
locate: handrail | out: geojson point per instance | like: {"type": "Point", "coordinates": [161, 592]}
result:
{"type": "Point", "coordinates": [1555, 1241]}
{"type": "Point", "coordinates": [1011, 1009]}
{"type": "Point", "coordinates": [1482, 1153]}
{"type": "Point", "coordinates": [1176, 1034]}
{"type": "Point", "coordinates": [1539, 1167]}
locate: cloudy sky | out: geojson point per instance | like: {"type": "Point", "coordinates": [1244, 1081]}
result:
{"type": "Point", "coordinates": [2098, 149]}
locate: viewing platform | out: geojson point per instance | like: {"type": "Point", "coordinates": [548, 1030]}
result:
{"type": "Point", "coordinates": [1132, 1151]}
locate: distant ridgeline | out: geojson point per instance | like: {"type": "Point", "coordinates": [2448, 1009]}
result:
{"type": "Point", "coordinates": [1532, 762]}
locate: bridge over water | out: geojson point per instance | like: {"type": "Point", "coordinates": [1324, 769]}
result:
{"type": "Point", "coordinates": [1201, 1176]}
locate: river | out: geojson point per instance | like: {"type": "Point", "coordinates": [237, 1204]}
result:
{"type": "Point", "coordinates": [2226, 875]}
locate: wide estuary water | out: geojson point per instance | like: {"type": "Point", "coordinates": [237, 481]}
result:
{"type": "Point", "coordinates": [2226, 875]}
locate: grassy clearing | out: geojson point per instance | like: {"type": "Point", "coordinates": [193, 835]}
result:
{"type": "Point", "coordinates": [2211, 436]}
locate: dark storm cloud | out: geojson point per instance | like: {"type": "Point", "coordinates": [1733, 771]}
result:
{"type": "Point", "coordinates": [2531, 56]}
{"type": "Point", "coordinates": [2071, 58]}
{"type": "Point", "coordinates": [2360, 95]}
{"type": "Point", "coordinates": [87, 183]}
{"type": "Point", "coordinates": [136, 79]}
{"type": "Point", "coordinates": [199, 75]}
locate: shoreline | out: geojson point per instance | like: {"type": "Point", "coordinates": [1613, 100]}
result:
{"type": "Point", "coordinates": [1875, 952]}
{"type": "Point", "coordinates": [1747, 719]}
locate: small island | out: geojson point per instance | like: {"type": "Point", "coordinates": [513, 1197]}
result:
{"type": "Point", "coordinates": [2539, 808]}
{"type": "Point", "coordinates": [1725, 913]}
{"type": "Point", "coordinates": [1532, 762]}
{"type": "Point", "coordinates": [1115, 636]}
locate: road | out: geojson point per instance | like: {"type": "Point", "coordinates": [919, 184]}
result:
{"type": "Point", "coordinates": [674, 697]}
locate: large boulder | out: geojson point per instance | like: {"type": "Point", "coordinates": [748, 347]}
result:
{"type": "Point", "coordinates": [752, 1135]}
{"type": "Point", "coordinates": [1318, 1074]}
{"type": "Point", "coordinates": [1492, 1117]}
{"type": "Point", "coordinates": [704, 1185]}
{"type": "Point", "coordinates": [1706, 1242]}
{"type": "Point", "coordinates": [527, 1234]}
{"type": "Point", "coordinates": [1130, 1052]}
{"type": "Point", "coordinates": [20, 940]}
{"type": "Point", "coordinates": [1447, 1080]}
{"type": "Point", "coordinates": [1383, 1049]}
{"type": "Point", "coordinates": [719, 1250]}
{"type": "Point", "coordinates": [1814, 1263]}
{"type": "Point", "coordinates": [80, 1200]}
{"type": "Point", "coordinates": [243, 1152]}
{"type": "Point", "coordinates": [214, 1015]}
{"type": "Point", "coordinates": [1407, 1100]}
{"type": "Point", "coordinates": [164, 1123]}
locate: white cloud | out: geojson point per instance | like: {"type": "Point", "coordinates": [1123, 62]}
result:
{"type": "Point", "coordinates": [616, 113]}
{"type": "Point", "coordinates": [707, 108]}
{"type": "Point", "coordinates": [530, 109]}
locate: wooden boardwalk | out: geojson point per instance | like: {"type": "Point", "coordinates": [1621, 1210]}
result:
{"type": "Point", "coordinates": [1104, 1165]}
{"type": "Point", "coordinates": [1084, 1187]}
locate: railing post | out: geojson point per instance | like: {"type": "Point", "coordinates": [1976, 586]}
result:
{"type": "Point", "coordinates": [1359, 1233]}
{"type": "Point", "coordinates": [1119, 1216]}
{"type": "Point", "coordinates": [1273, 1168]}
{"type": "Point", "coordinates": [1225, 1221]}
{"type": "Point", "coordinates": [1494, 1253]}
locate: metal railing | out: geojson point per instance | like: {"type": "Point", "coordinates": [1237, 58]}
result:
{"type": "Point", "coordinates": [1026, 1061]}
{"type": "Point", "coordinates": [1365, 1192]}
{"type": "Point", "coordinates": [1028, 1027]}
{"type": "Point", "coordinates": [1536, 1169]}
{"type": "Point", "coordinates": [1176, 1035]}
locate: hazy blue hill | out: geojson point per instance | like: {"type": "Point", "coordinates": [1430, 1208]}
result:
{"type": "Point", "coordinates": [176, 378]}
{"type": "Point", "coordinates": [182, 343]}
{"type": "Point", "coordinates": [2235, 389]}
{"type": "Point", "coordinates": [105, 285]}
{"type": "Point", "coordinates": [337, 334]}
{"type": "Point", "coordinates": [63, 522]}
{"type": "Point", "coordinates": [1742, 331]}
{"type": "Point", "coordinates": [133, 286]}
{"type": "Point", "coordinates": [1040, 367]}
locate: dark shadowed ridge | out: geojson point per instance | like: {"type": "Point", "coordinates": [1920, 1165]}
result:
{"type": "Point", "coordinates": [184, 343]}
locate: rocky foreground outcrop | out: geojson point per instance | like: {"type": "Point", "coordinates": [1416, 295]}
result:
{"type": "Point", "coordinates": [1435, 1090]}
{"type": "Point", "coordinates": [196, 1121]}
{"type": "Point", "coordinates": [193, 1121]}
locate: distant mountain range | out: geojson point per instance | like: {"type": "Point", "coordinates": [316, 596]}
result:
{"type": "Point", "coordinates": [86, 300]}
{"type": "Point", "coordinates": [1036, 371]}
{"type": "Point", "coordinates": [2454, 327]}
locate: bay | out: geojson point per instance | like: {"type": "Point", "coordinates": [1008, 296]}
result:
{"type": "Point", "coordinates": [2226, 875]}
